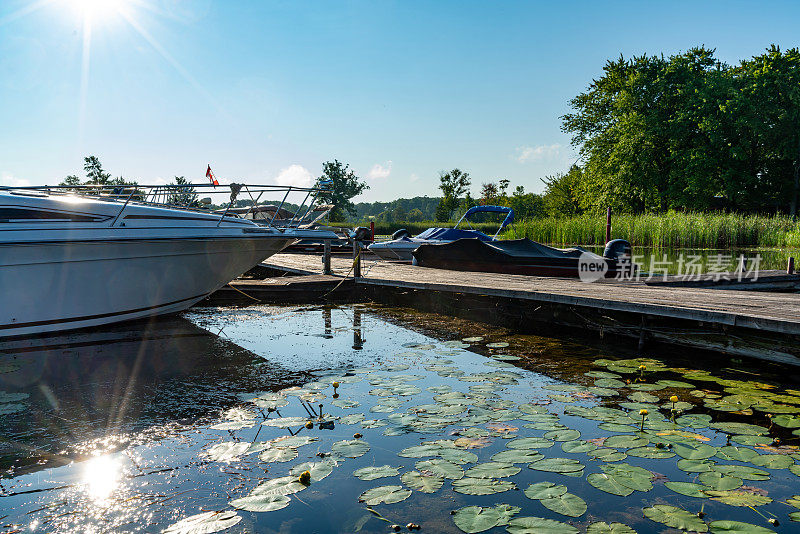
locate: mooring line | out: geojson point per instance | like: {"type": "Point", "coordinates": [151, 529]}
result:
{"type": "Point", "coordinates": [353, 266]}
{"type": "Point", "coordinates": [242, 292]}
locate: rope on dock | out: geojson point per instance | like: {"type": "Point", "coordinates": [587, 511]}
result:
{"type": "Point", "coordinates": [243, 293]}
{"type": "Point", "coordinates": [353, 266]}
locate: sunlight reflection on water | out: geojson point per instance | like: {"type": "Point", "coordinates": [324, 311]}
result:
{"type": "Point", "coordinates": [101, 475]}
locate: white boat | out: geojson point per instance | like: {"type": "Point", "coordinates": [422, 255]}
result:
{"type": "Point", "coordinates": [70, 261]}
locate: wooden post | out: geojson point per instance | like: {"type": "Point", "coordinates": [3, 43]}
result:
{"type": "Point", "coordinates": [372, 231]}
{"type": "Point", "coordinates": [356, 259]}
{"type": "Point", "coordinates": [326, 257]}
{"type": "Point", "coordinates": [608, 224]}
{"type": "Point", "coordinates": [790, 265]}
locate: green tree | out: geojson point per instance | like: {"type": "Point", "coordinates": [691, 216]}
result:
{"type": "Point", "coordinates": [71, 180]}
{"type": "Point", "coordinates": [339, 184]}
{"type": "Point", "coordinates": [96, 175]}
{"type": "Point", "coordinates": [772, 82]}
{"type": "Point", "coordinates": [562, 194]}
{"type": "Point", "coordinates": [453, 185]}
{"type": "Point", "coordinates": [415, 215]}
{"type": "Point", "coordinates": [526, 205]}
{"type": "Point", "coordinates": [184, 195]}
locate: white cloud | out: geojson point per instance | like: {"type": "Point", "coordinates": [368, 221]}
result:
{"type": "Point", "coordinates": [538, 153]}
{"type": "Point", "coordinates": [8, 179]}
{"type": "Point", "coordinates": [379, 171]}
{"type": "Point", "coordinates": [295, 175]}
{"type": "Point", "coordinates": [414, 178]}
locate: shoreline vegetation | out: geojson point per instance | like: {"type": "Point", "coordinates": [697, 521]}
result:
{"type": "Point", "coordinates": [699, 230]}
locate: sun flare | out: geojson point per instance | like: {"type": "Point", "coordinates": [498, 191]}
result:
{"type": "Point", "coordinates": [97, 8]}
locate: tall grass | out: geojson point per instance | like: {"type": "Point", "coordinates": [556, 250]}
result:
{"type": "Point", "coordinates": [671, 230]}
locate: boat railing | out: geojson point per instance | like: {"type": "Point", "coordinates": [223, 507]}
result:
{"type": "Point", "coordinates": [184, 197]}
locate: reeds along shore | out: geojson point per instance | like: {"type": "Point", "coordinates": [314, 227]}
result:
{"type": "Point", "coordinates": [669, 230]}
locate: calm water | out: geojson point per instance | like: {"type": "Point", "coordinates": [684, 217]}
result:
{"type": "Point", "coordinates": [137, 428]}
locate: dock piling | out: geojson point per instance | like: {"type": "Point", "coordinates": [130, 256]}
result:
{"type": "Point", "coordinates": [326, 257]}
{"type": "Point", "coordinates": [356, 258]}
{"type": "Point", "coordinates": [790, 265]}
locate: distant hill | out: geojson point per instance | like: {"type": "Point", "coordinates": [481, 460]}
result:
{"type": "Point", "coordinates": [402, 209]}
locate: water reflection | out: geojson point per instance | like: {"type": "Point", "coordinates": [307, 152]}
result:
{"type": "Point", "coordinates": [381, 380]}
{"type": "Point", "coordinates": [97, 388]}
{"type": "Point", "coordinates": [358, 337]}
{"type": "Point", "coordinates": [100, 476]}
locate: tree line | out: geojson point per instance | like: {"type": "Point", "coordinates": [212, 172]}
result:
{"type": "Point", "coordinates": [686, 132]}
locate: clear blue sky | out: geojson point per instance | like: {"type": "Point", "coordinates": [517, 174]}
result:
{"type": "Point", "coordinates": [267, 91]}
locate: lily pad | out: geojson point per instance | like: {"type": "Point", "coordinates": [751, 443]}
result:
{"type": "Point", "coordinates": [772, 461]}
{"type": "Point", "coordinates": [420, 482]}
{"type": "Point", "coordinates": [609, 528]}
{"type": "Point", "coordinates": [738, 498]}
{"type": "Point", "coordinates": [384, 494]}
{"type": "Point", "coordinates": [545, 490]}
{"type": "Point", "coordinates": [204, 523]}
{"type": "Point", "coordinates": [493, 470]}
{"type": "Point", "coordinates": [742, 471]}
{"type": "Point", "coordinates": [279, 486]}
{"type": "Point", "coordinates": [676, 518]}
{"type": "Point", "coordinates": [440, 467]}
{"type": "Point", "coordinates": [350, 448]}
{"type": "Point", "coordinates": [557, 465]}
{"type": "Point", "coordinates": [472, 519]}
{"type": "Point", "coordinates": [539, 525]}
{"type": "Point", "coordinates": [517, 456]}
{"type": "Point", "coordinates": [278, 454]}
{"type": "Point", "coordinates": [563, 435]}
{"type": "Point", "coordinates": [718, 481]}
{"type": "Point", "coordinates": [609, 484]}
{"type": "Point", "coordinates": [373, 472]}
{"type": "Point", "coordinates": [261, 502]}
{"type": "Point", "coordinates": [318, 470]}
{"type": "Point", "coordinates": [566, 504]}
{"type": "Point", "coordinates": [737, 527]}
{"type": "Point", "coordinates": [689, 489]}
{"type": "Point", "coordinates": [481, 486]}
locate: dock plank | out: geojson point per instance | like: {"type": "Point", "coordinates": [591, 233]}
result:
{"type": "Point", "coordinates": [771, 312]}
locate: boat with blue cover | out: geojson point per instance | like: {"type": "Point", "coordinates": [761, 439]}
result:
{"type": "Point", "coordinates": [402, 244]}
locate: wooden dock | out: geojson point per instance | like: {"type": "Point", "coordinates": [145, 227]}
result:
{"type": "Point", "coordinates": [291, 288]}
{"type": "Point", "coordinates": [757, 324]}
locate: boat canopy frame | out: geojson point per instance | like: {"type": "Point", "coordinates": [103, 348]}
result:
{"type": "Point", "coordinates": [159, 196]}
{"type": "Point", "coordinates": [488, 209]}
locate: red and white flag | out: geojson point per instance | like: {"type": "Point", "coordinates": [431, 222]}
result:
{"type": "Point", "coordinates": [210, 176]}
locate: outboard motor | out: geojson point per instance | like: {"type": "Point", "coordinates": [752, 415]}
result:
{"type": "Point", "coordinates": [618, 252]}
{"type": "Point", "coordinates": [618, 249]}
{"type": "Point", "coordinates": [400, 234]}
{"type": "Point", "coordinates": [360, 234]}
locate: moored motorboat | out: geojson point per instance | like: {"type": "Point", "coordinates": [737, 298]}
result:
{"type": "Point", "coordinates": [523, 256]}
{"type": "Point", "coordinates": [402, 244]}
{"type": "Point", "coordinates": [71, 260]}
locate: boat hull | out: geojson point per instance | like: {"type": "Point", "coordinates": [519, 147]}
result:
{"type": "Point", "coordinates": [56, 286]}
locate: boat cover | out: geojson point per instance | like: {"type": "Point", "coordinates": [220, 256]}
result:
{"type": "Point", "coordinates": [451, 234]}
{"type": "Point", "coordinates": [505, 251]}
